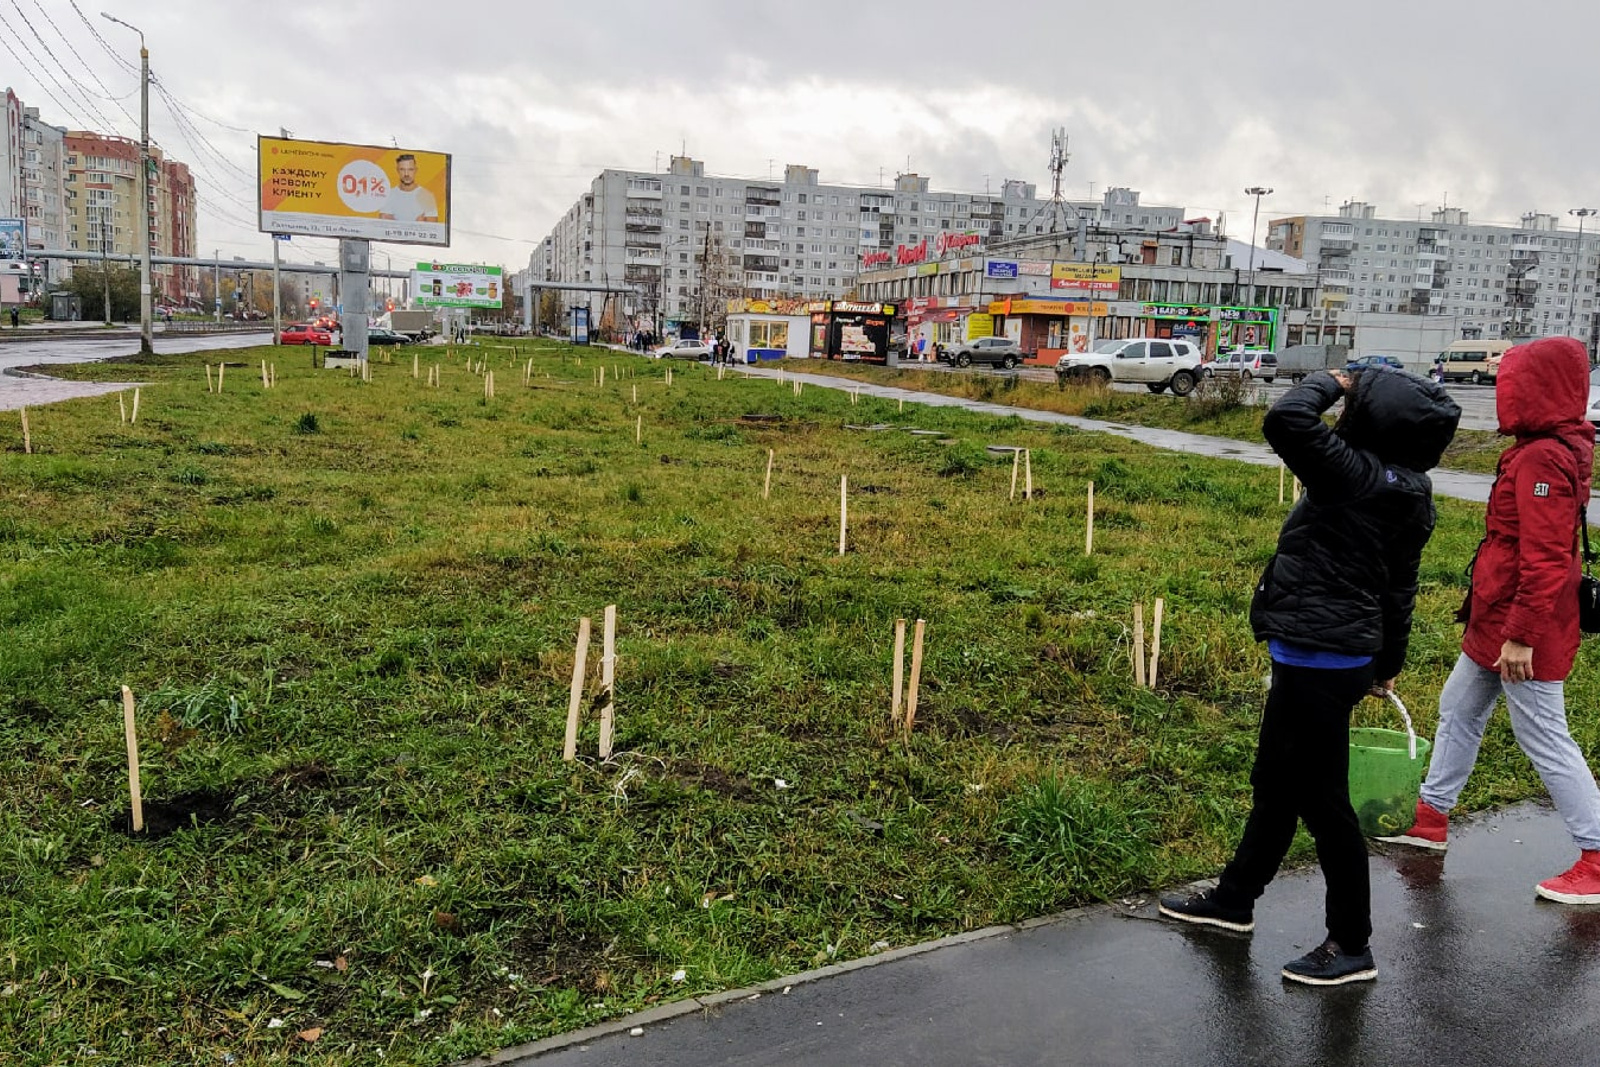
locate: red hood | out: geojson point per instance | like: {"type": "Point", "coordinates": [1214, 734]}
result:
{"type": "Point", "coordinates": [1542, 389]}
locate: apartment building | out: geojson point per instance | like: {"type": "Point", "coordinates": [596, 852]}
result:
{"type": "Point", "coordinates": [1489, 280]}
{"type": "Point", "coordinates": [689, 241]}
{"type": "Point", "coordinates": [44, 187]}
{"type": "Point", "coordinates": [103, 211]}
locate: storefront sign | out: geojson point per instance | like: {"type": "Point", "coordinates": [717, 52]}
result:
{"type": "Point", "coordinates": [1000, 269]}
{"type": "Point", "coordinates": [979, 325]}
{"type": "Point", "coordinates": [1246, 314]}
{"type": "Point", "coordinates": [856, 308]}
{"type": "Point", "coordinates": [954, 242]}
{"type": "Point", "coordinates": [926, 269]}
{"type": "Point", "coordinates": [904, 255]}
{"type": "Point", "coordinates": [774, 306]}
{"type": "Point", "coordinates": [1096, 308]}
{"type": "Point", "coordinates": [1034, 267]}
{"type": "Point", "coordinates": [875, 259]}
{"type": "Point", "coordinates": [1095, 276]}
{"type": "Point", "coordinates": [1175, 311]}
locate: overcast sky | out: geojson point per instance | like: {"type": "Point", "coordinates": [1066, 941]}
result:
{"type": "Point", "coordinates": [1400, 103]}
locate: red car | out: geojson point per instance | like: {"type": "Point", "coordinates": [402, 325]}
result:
{"type": "Point", "coordinates": [301, 333]}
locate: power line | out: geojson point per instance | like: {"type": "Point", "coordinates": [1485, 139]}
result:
{"type": "Point", "coordinates": [208, 118]}
{"type": "Point", "coordinates": [70, 112]}
{"type": "Point", "coordinates": [185, 126]}
{"type": "Point", "coordinates": [93, 108]}
{"type": "Point", "coordinates": [112, 52]}
{"type": "Point", "coordinates": [73, 49]}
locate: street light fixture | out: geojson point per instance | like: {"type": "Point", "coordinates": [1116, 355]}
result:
{"type": "Point", "coordinates": [1583, 214]}
{"type": "Point", "coordinates": [145, 346]}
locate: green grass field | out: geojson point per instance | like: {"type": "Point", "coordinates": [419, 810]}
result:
{"type": "Point", "coordinates": [348, 611]}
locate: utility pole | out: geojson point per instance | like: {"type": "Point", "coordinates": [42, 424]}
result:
{"type": "Point", "coordinates": [216, 281]}
{"type": "Point", "coordinates": [106, 215]}
{"type": "Point", "coordinates": [1583, 214]}
{"type": "Point", "coordinates": [145, 335]}
{"type": "Point", "coordinates": [1258, 192]}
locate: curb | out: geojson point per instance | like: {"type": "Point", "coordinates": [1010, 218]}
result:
{"type": "Point", "coordinates": [519, 1054]}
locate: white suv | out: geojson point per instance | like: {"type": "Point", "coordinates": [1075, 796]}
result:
{"type": "Point", "coordinates": [1155, 362]}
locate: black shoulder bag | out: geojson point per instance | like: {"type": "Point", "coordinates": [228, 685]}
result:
{"type": "Point", "coordinates": [1588, 584]}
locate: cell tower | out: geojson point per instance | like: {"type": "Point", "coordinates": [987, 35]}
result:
{"type": "Point", "coordinates": [1058, 206]}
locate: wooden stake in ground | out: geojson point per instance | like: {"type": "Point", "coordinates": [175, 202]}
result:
{"type": "Point", "coordinates": [274, 368]}
{"type": "Point", "coordinates": [1138, 644]}
{"type": "Point", "coordinates": [608, 679]}
{"type": "Point", "coordinates": [902, 403]}
{"type": "Point", "coordinates": [766, 487]}
{"type": "Point", "coordinates": [899, 670]}
{"type": "Point", "coordinates": [208, 379]}
{"type": "Point", "coordinates": [133, 418]}
{"type": "Point", "coordinates": [220, 368]}
{"type": "Point", "coordinates": [416, 366]}
{"type": "Point", "coordinates": [638, 429]}
{"type": "Point", "coordinates": [1280, 481]}
{"type": "Point", "coordinates": [122, 408]}
{"type": "Point", "coordinates": [27, 438]}
{"type": "Point", "coordinates": [264, 383]}
{"type": "Point", "coordinates": [1016, 465]}
{"type": "Point", "coordinates": [1088, 530]}
{"type": "Point", "coordinates": [1027, 474]}
{"type": "Point", "coordinates": [916, 676]}
{"type": "Point", "coordinates": [134, 792]}
{"type": "Point", "coordinates": [580, 662]}
{"type": "Point", "coordinates": [844, 510]}
{"type": "Point", "coordinates": [669, 375]}
{"type": "Point", "coordinates": [602, 376]}
{"type": "Point", "coordinates": [1155, 642]}
{"type": "Point", "coordinates": [635, 394]}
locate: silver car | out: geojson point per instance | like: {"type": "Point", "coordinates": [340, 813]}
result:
{"type": "Point", "coordinates": [685, 349]}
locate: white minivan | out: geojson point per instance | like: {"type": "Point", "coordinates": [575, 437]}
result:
{"type": "Point", "coordinates": [1472, 361]}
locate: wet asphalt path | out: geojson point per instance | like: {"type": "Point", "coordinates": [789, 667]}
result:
{"type": "Point", "coordinates": [30, 392]}
{"type": "Point", "coordinates": [1473, 971]}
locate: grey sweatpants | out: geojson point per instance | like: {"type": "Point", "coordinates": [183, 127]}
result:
{"type": "Point", "coordinates": [1539, 720]}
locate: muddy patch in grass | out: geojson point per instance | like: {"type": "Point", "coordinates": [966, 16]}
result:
{"type": "Point", "coordinates": [200, 807]}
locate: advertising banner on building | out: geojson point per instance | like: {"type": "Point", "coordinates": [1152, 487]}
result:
{"type": "Point", "coordinates": [457, 285]}
{"type": "Point", "coordinates": [999, 268]}
{"type": "Point", "coordinates": [325, 189]}
{"type": "Point", "coordinates": [1098, 276]}
{"type": "Point", "coordinates": [1038, 268]}
{"type": "Point", "coordinates": [13, 239]}
{"type": "Point", "coordinates": [979, 325]}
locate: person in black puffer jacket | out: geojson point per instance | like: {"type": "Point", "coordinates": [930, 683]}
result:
{"type": "Point", "coordinates": [1334, 607]}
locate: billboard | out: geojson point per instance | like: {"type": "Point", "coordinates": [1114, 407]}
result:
{"type": "Point", "coordinates": [13, 239]}
{"type": "Point", "coordinates": [324, 189]}
{"type": "Point", "coordinates": [457, 285]}
{"type": "Point", "coordinates": [1095, 276]}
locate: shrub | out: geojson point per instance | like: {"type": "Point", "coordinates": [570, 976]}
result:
{"type": "Point", "coordinates": [307, 423]}
{"type": "Point", "coordinates": [1216, 395]}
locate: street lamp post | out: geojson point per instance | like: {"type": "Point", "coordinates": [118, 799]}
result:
{"type": "Point", "coordinates": [1258, 192]}
{"type": "Point", "coordinates": [144, 186]}
{"type": "Point", "coordinates": [1583, 214]}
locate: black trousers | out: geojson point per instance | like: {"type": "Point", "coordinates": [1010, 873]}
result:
{"type": "Point", "coordinates": [1302, 773]}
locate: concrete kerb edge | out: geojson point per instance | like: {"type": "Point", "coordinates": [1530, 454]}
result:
{"type": "Point", "coordinates": [710, 1001]}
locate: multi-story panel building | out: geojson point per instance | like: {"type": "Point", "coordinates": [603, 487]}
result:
{"type": "Point", "coordinates": [1529, 280]}
{"type": "Point", "coordinates": [11, 155]}
{"type": "Point", "coordinates": [44, 189]}
{"type": "Point", "coordinates": [688, 240]}
{"type": "Point", "coordinates": [103, 211]}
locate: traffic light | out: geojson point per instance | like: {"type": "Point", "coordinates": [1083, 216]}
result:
{"type": "Point", "coordinates": [314, 303]}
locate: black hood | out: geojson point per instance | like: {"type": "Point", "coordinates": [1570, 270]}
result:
{"type": "Point", "coordinates": [1405, 420]}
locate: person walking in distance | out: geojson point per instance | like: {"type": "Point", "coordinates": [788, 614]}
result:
{"type": "Point", "coordinates": [1334, 607]}
{"type": "Point", "coordinates": [1522, 610]}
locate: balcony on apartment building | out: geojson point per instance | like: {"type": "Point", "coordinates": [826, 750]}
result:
{"type": "Point", "coordinates": [763, 197]}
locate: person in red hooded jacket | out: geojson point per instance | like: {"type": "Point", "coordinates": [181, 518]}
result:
{"type": "Point", "coordinates": [1522, 612]}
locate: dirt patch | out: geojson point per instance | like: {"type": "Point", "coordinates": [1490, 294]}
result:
{"type": "Point", "coordinates": [200, 807]}
{"type": "Point", "coordinates": [711, 779]}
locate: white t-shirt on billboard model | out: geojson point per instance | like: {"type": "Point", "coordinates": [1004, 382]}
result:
{"type": "Point", "coordinates": [407, 201]}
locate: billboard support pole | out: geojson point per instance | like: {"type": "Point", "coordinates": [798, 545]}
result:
{"type": "Point", "coordinates": [354, 274]}
{"type": "Point", "coordinates": [277, 303]}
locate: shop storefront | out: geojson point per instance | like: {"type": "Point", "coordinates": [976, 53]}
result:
{"type": "Point", "coordinates": [851, 331]}
{"type": "Point", "coordinates": [1049, 328]}
{"type": "Point", "coordinates": [768, 329]}
{"type": "Point", "coordinates": [1212, 328]}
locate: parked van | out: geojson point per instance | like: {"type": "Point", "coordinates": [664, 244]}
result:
{"type": "Point", "coordinates": [1472, 361]}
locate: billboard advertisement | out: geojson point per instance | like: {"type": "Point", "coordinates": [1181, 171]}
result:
{"type": "Point", "coordinates": [457, 285]}
{"type": "Point", "coordinates": [580, 326]}
{"type": "Point", "coordinates": [1098, 277]}
{"type": "Point", "coordinates": [325, 189]}
{"type": "Point", "coordinates": [13, 239]}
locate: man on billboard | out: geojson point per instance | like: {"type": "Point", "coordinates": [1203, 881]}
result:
{"type": "Point", "coordinates": [407, 201]}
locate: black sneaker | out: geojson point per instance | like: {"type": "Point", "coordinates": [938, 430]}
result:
{"type": "Point", "coordinates": [1328, 964]}
{"type": "Point", "coordinates": [1204, 909]}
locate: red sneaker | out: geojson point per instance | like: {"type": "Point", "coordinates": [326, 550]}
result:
{"type": "Point", "coordinates": [1580, 885]}
{"type": "Point", "coordinates": [1428, 829]}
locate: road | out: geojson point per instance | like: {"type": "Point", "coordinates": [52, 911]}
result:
{"type": "Point", "coordinates": [29, 392]}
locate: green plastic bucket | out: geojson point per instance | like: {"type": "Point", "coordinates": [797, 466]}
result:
{"type": "Point", "coordinates": [1386, 776]}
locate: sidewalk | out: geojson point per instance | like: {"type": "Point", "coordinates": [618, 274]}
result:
{"type": "Point", "coordinates": [1473, 970]}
